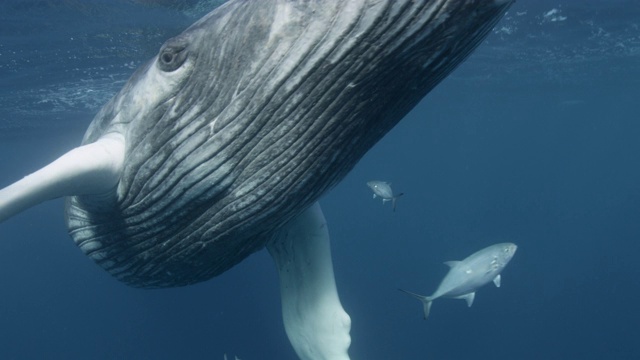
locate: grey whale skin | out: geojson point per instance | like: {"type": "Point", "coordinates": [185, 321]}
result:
{"type": "Point", "coordinates": [246, 118]}
{"type": "Point", "coordinates": [267, 121]}
{"type": "Point", "coordinates": [222, 144]}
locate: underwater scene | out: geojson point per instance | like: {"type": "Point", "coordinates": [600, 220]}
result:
{"type": "Point", "coordinates": [531, 143]}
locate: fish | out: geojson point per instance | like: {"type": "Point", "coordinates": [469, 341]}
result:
{"type": "Point", "coordinates": [467, 276]}
{"type": "Point", "coordinates": [221, 144]}
{"type": "Point", "coordinates": [383, 190]}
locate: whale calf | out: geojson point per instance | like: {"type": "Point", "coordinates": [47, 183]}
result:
{"type": "Point", "coordinates": [221, 144]}
{"type": "Point", "coordinates": [467, 276]}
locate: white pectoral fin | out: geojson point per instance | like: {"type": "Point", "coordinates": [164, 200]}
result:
{"type": "Point", "coordinates": [314, 320]}
{"type": "Point", "coordinates": [496, 280]}
{"type": "Point", "coordinates": [89, 169]}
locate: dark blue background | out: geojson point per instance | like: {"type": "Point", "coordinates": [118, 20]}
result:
{"type": "Point", "coordinates": [534, 140]}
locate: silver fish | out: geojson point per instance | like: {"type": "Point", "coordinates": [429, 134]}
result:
{"type": "Point", "coordinates": [467, 276]}
{"type": "Point", "coordinates": [383, 190]}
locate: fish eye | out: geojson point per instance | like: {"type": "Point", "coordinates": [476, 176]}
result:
{"type": "Point", "coordinates": [172, 55]}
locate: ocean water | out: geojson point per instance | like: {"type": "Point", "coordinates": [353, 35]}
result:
{"type": "Point", "coordinates": [533, 140]}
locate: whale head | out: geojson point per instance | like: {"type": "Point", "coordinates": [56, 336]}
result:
{"type": "Point", "coordinates": [251, 114]}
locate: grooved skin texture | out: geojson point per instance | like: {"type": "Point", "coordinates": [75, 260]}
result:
{"type": "Point", "coordinates": [279, 101]}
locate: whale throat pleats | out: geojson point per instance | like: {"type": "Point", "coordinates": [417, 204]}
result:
{"type": "Point", "coordinates": [277, 101]}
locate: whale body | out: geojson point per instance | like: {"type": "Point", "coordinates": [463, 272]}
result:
{"type": "Point", "coordinates": [222, 143]}
{"type": "Point", "coordinates": [247, 117]}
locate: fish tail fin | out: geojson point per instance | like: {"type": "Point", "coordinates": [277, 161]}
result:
{"type": "Point", "coordinates": [426, 301]}
{"type": "Point", "coordinates": [393, 201]}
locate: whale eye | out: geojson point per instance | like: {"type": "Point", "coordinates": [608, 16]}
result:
{"type": "Point", "coordinates": [172, 55]}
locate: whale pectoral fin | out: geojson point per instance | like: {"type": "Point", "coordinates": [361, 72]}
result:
{"type": "Point", "coordinates": [315, 322]}
{"type": "Point", "coordinates": [89, 169]}
{"type": "Point", "coordinates": [496, 280]}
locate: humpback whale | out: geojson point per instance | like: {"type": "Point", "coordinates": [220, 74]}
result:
{"type": "Point", "coordinates": [221, 144]}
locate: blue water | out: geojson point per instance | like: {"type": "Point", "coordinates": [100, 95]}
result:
{"type": "Point", "coordinates": [533, 140]}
